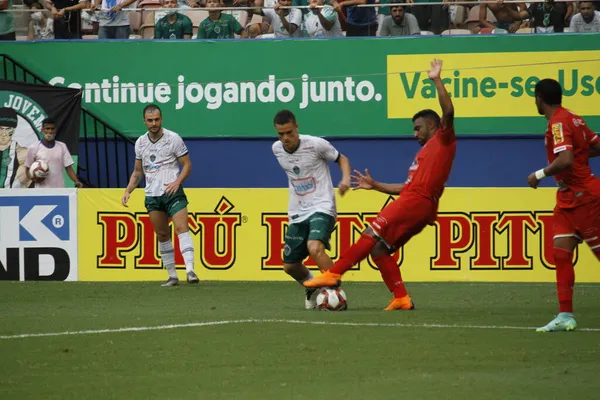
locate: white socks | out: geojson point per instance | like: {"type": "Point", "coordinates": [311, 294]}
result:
{"type": "Point", "coordinates": [167, 253]}
{"type": "Point", "coordinates": [187, 250]}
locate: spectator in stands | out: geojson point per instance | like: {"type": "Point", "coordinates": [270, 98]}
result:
{"type": "Point", "coordinates": [67, 17]}
{"type": "Point", "coordinates": [7, 21]}
{"type": "Point", "coordinates": [431, 18]}
{"type": "Point", "coordinates": [503, 15]}
{"type": "Point", "coordinates": [546, 17]}
{"type": "Point", "coordinates": [218, 25]}
{"type": "Point", "coordinates": [174, 25]}
{"type": "Point", "coordinates": [265, 26]}
{"type": "Point", "coordinates": [41, 27]}
{"type": "Point", "coordinates": [588, 19]}
{"type": "Point", "coordinates": [399, 23]}
{"type": "Point", "coordinates": [360, 21]}
{"type": "Point", "coordinates": [322, 22]}
{"type": "Point", "coordinates": [114, 23]}
{"type": "Point", "coordinates": [285, 22]}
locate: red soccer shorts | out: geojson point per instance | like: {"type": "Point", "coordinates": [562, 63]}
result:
{"type": "Point", "coordinates": [402, 219]}
{"type": "Point", "coordinates": [581, 222]}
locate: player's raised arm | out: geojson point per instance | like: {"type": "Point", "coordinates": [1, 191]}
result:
{"type": "Point", "coordinates": [367, 182]}
{"type": "Point", "coordinates": [443, 96]}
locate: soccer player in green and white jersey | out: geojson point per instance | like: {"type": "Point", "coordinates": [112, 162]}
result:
{"type": "Point", "coordinates": [312, 208]}
{"type": "Point", "coordinates": [158, 155]}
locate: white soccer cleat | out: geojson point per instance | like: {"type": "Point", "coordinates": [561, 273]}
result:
{"type": "Point", "coordinates": [562, 322]}
{"type": "Point", "coordinates": [311, 298]}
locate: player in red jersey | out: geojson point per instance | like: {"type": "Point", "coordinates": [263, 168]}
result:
{"type": "Point", "coordinates": [414, 209]}
{"type": "Point", "coordinates": [569, 143]}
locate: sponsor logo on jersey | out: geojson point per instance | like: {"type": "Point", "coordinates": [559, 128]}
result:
{"type": "Point", "coordinates": [304, 186]}
{"type": "Point", "coordinates": [557, 133]}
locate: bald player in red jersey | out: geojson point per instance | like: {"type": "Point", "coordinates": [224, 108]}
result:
{"type": "Point", "coordinates": [414, 209]}
{"type": "Point", "coordinates": [569, 144]}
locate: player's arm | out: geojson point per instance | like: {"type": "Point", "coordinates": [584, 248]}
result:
{"type": "Point", "coordinates": [344, 164]}
{"type": "Point", "coordinates": [186, 168]}
{"type": "Point", "coordinates": [134, 181]}
{"type": "Point", "coordinates": [563, 146]}
{"type": "Point", "coordinates": [388, 188]}
{"type": "Point", "coordinates": [360, 181]}
{"type": "Point", "coordinates": [445, 101]}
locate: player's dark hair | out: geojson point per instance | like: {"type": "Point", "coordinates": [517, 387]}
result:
{"type": "Point", "coordinates": [283, 117]}
{"type": "Point", "coordinates": [549, 91]}
{"type": "Point", "coordinates": [151, 108]}
{"type": "Point", "coordinates": [48, 121]}
{"type": "Point", "coordinates": [428, 114]}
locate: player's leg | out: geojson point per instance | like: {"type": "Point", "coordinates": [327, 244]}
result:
{"type": "Point", "coordinates": [160, 222]}
{"type": "Point", "coordinates": [391, 275]}
{"type": "Point", "coordinates": [177, 209]}
{"type": "Point", "coordinates": [320, 228]}
{"type": "Point", "coordinates": [399, 234]}
{"type": "Point", "coordinates": [353, 255]}
{"type": "Point", "coordinates": [294, 252]}
{"type": "Point", "coordinates": [385, 227]}
{"type": "Point", "coordinates": [565, 242]}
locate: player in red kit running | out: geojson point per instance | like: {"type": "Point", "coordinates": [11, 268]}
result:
{"type": "Point", "coordinates": [577, 213]}
{"type": "Point", "coordinates": [414, 209]}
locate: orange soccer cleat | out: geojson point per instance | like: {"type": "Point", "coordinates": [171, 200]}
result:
{"type": "Point", "coordinates": [325, 280]}
{"type": "Point", "coordinates": [402, 303]}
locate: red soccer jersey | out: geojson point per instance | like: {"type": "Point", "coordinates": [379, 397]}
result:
{"type": "Point", "coordinates": [432, 165]}
{"type": "Point", "coordinates": [577, 185]}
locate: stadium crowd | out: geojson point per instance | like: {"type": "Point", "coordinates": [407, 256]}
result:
{"type": "Point", "coordinates": [198, 19]}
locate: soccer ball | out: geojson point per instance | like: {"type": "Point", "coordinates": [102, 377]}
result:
{"type": "Point", "coordinates": [332, 299]}
{"type": "Point", "coordinates": [39, 169]}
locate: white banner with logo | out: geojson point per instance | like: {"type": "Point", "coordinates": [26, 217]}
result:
{"type": "Point", "coordinates": [38, 234]}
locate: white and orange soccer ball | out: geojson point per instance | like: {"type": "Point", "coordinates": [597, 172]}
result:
{"type": "Point", "coordinates": [39, 169]}
{"type": "Point", "coordinates": [332, 299]}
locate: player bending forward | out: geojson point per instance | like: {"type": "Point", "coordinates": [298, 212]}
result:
{"type": "Point", "coordinates": [158, 154]}
{"type": "Point", "coordinates": [312, 209]}
{"type": "Point", "coordinates": [569, 143]}
{"type": "Point", "coordinates": [414, 209]}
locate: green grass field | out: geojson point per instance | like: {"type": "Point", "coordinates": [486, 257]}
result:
{"type": "Point", "coordinates": [464, 341]}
